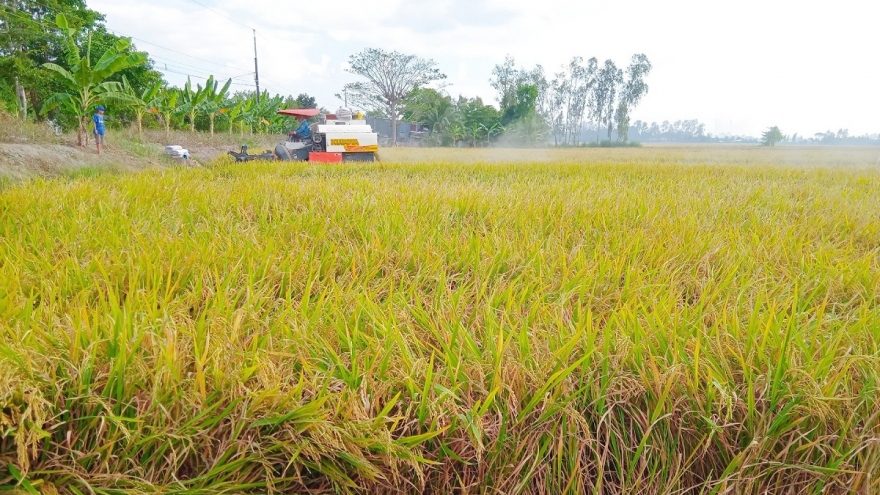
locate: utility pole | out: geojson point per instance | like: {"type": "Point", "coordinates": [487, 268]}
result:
{"type": "Point", "coordinates": [256, 68]}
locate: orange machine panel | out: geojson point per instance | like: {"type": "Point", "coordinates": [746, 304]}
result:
{"type": "Point", "coordinates": [320, 157]}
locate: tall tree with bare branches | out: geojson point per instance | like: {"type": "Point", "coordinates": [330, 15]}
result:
{"type": "Point", "coordinates": [391, 77]}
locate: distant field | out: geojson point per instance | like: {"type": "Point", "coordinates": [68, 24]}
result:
{"type": "Point", "coordinates": [653, 153]}
{"type": "Point", "coordinates": [657, 321]}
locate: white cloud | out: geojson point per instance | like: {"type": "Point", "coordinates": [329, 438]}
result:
{"type": "Point", "coordinates": [462, 72]}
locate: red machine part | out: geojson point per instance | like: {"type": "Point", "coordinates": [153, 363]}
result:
{"type": "Point", "coordinates": [300, 112]}
{"type": "Point", "coordinates": [324, 157]}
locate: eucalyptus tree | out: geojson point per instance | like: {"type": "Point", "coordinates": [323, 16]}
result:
{"type": "Point", "coordinates": [543, 105]}
{"type": "Point", "coordinates": [87, 85]}
{"type": "Point", "coordinates": [505, 79]}
{"type": "Point", "coordinates": [570, 91]}
{"type": "Point", "coordinates": [622, 119]}
{"type": "Point", "coordinates": [614, 78]}
{"type": "Point", "coordinates": [557, 115]}
{"type": "Point", "coordinates": [583, 79]}
{"type": "Point", "coordinates": [632, 92]}
{"type": "Point", "coordinates": [391, 77]}
{"type": "Point", "coordinates": [604, 95]}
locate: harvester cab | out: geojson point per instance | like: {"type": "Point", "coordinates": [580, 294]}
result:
{"type": "Point", "coordinates": [339, 137]}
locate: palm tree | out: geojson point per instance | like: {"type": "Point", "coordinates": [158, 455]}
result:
{"type": "Point", "coordinates": [87, 85]}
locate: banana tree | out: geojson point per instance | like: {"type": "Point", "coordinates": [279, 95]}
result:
{"type": "Point", "coordinates": [475, 133]}
{"type": "Point", "coordinates": [263, 115]}
{"type": "Point", "coordinates": [214, 101]}
{"type": "Point", "coordinates": [190, 100]}
{"type": "Point", "coordinates": [491, 130]}
{"type": "Point", "coordinates": [86, 85]}
{"type": "Point", "coordinates": [140, 103]}
{"type": "Point", "coordinates": [165, 105]}
{"type": "Point", "coordinates": [239, 114]}
{"type": "Point", "coordinates": [458, 132]}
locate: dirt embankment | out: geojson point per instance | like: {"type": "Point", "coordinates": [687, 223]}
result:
{"type": "Point", "coordinates": [24, 160]}
{"type": "Point", "coordinates": [30, 149]}
{"type": "Point", "coordinates": [21, 159]}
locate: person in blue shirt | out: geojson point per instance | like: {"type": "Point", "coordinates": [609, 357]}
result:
{"type": "Point", "coordinates": [303, 132]}
{"type": "Point", "coordinates": [100, 130]}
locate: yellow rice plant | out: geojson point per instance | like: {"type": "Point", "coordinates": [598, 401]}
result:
{"type": "Point", "coordinates": [460, 326]}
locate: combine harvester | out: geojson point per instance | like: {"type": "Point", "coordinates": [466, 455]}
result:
{"type": "Point", "coordinates": [337, 138]}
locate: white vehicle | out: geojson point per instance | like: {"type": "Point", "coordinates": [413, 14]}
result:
{"type": "Point", "coordinates": [337, 138]}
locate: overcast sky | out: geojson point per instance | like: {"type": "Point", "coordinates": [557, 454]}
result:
{"type": "Point", "coordinates": [737, 66]}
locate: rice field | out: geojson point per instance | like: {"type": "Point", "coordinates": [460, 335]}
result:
{"type": "Point", "coordinates": [652, 321]}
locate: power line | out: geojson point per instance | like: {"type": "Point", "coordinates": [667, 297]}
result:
{"type": "Point", "coordinates": [280, 91]}
{"type": "Point", "coordinates": [205, 75]}
{"type": "Point", "coordinates": [200, 77]}
{"type": "Point", "coordinates": [163, 58]}
{"type": "Point", "coordinates": [184, 66]}
{"type": "Point", "coordinates": [171, 64]}
{"type": "Point", "coordinates": [275, 84]}
{"type": "Point", "coordinates": [221, 15]}
{"type": "Point", "coordinates": [175, 51]}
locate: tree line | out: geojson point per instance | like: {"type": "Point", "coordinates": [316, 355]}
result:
{"type": "Point", "coordinates": [532, 107]}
